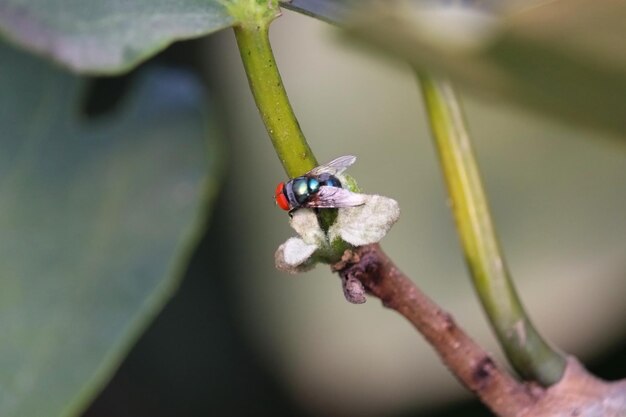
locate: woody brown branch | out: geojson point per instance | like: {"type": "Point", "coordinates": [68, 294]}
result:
{"type": "Point", "coordinates": [468, 361]}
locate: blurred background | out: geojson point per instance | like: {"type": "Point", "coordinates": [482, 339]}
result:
{"type": "Point", "coordinates": [240, 338]}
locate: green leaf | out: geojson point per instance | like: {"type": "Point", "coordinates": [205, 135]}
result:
{"type": "Point", "coordinates": [97, 220]}
{"type": "Point", "coordinates": [334, 11]}
{"type": "Point", "coordinates": [563, 59]}
{"type": "Point", "coordinates": [339, 11]}
{"type": "Point", "coordinates": [100, 36]}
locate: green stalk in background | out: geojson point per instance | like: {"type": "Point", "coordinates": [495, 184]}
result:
{"type": "Point", "coordinates": [530, 355]}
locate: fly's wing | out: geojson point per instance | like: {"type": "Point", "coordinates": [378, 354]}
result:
{"type": "Point", "coordinates": [334, 167]}
{"type": "Point", "coordinates": [334, 197]}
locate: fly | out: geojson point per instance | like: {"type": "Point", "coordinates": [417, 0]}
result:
{"type": "Point", "coordinates": [318, 188]}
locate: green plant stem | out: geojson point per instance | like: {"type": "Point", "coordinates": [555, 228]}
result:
{"type": "Point", "coordinates": [271, 99]}
{"type": "Point", "coordinates": [529, 354]}
{"type": "Point", "coordinates": [273, 104]}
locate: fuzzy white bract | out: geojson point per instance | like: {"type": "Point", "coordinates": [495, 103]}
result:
{"type": "Point", "coordinates": [358, 226]}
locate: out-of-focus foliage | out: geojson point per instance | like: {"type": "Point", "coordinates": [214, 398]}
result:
{"type": "Point", "coordinates": [97, 217]}
{"type": "Point", "coordinates": [334, 11]}
{"type": "Point", "coordinates": [560, 58]}
{"type": "Point", "coordinates": [99, 36]}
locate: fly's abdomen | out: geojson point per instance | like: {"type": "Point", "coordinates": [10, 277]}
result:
{"type": "Point", "coordinates": [328, 180]}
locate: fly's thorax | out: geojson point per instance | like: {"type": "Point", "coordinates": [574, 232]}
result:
{"type": "Point", "coordinates": [300, 188]}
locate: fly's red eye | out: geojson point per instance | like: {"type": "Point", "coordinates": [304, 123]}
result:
{"type": "Point", "coordinates": [280, 198]}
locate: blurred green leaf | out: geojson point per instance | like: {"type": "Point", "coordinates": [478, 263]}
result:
{"type": "Point", "coordinates": [338, 11]}
{"type": "Point", "coordinates": [564, 59]}
{"type": "Point", "coordinates": [99, 36]}
{"type": "Point", "coordinates": [334, 11]}
{"type": "Point", "coordinates": [97, 220]}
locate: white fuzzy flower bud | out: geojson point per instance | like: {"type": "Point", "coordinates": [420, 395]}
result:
{"type": "Point", "coordinates": [294, 255]}
{"type": "Point", "coordinates": [360, 225]}
{"type": "Point", "coordinates": [366, 224]}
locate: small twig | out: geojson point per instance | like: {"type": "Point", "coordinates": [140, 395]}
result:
{"type": "Point", "coordinates": [469, 362]}
{"type": "Point", "coordinates": [577, 394]}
